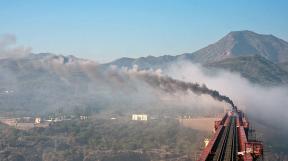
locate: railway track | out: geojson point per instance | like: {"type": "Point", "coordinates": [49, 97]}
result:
{"type": "Point", "coordinates": [228, 144]}
{"type": "Point", "coordinates": [230, 141]}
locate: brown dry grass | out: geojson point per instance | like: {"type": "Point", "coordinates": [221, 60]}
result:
{"type": "Point", "coordinates": [201, 123]}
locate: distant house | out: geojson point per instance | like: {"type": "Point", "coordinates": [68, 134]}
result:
{"type": "Point", "coordinates": [139, 117]}
{"type": "Point", "coordinates": [49, 120]}
{"type": "Point", "coordinates": [9, 121]}
{"type": "Point", "coordinates": [58, 119]}
{"type": "Point", "coordinates": [38, 120]}
{"type": "Point", "coordinates": [83, 117]}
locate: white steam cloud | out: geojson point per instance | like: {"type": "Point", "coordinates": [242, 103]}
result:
{"type": "Point", "coordinates": [8, 47]}
{"type": "Point", "coordinates": [267, 104]}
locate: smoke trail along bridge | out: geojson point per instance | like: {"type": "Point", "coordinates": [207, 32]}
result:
{"type": "Point", "coordinates": [230, 141]}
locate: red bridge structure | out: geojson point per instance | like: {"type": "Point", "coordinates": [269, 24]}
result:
{"type": "Point", "coordinates": [230, 141]}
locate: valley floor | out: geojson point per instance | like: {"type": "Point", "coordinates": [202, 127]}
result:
{"type": "Point", "coordinates": [102, 140]}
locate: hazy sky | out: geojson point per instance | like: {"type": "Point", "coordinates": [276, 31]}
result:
{"type": "Point", "coordinates": [104, 30]}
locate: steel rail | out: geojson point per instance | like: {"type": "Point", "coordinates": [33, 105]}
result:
{"type": "Point", "coordinates": [220, 152]}
{"type": "Point", "coordinates": [228, 144]}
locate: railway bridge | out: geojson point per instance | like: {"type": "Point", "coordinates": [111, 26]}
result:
{"type": "Point", "coordinates": [230, 141]}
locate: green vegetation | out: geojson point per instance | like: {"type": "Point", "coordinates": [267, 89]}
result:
{"type": "Point", "coordinates": [101, 140]}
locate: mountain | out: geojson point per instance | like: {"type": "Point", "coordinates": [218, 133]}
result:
{"type": "Point", "coordinates": [44, 81]}
{"type": "Point", "coordinates": [144, 62]}
{"type": "Point", "coordinates": [238, 51]}
{"type": "Point", "coordinates": [41, 83]}
{"type": "Point", "coordinates": [234, 44]}
{"type": "Point", "coordinates": [48, 81]}
{"type": "Point", "coordinates": [256, 68]}
{"type": "Point", "coordinates": [244, 43]}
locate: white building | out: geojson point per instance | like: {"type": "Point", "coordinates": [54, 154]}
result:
{"type": "Point", "coordinates": [141, 117]}
{"type": "Point", "coordinates": [83, 117]}
{"type": "Point", "coordinates": [38, 120]}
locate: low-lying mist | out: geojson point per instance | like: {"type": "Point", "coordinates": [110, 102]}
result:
{"type": "Point", "coordinates": [39, 83]}
{"type": "Point", "coordinates": [45, 84]}
{"type": "Point", "coordinates": [32, 84]}
{"type": "Point", "coordinates": [8, 47]}
{"type": "Point", "coordinates": [266, 104]}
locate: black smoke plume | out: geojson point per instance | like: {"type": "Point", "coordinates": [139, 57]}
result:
{"type": "Point", "coordinates": [171, 85]}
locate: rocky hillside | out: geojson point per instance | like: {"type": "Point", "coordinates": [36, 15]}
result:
{"type": "Point", "coordinates": [44, 81]}
{"type": "Point", "coordinates": [257, 57]}
{"type": "Point", "coordinates": [255, 68]}
{"type": "Point", "coordinates": [244, 43]}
